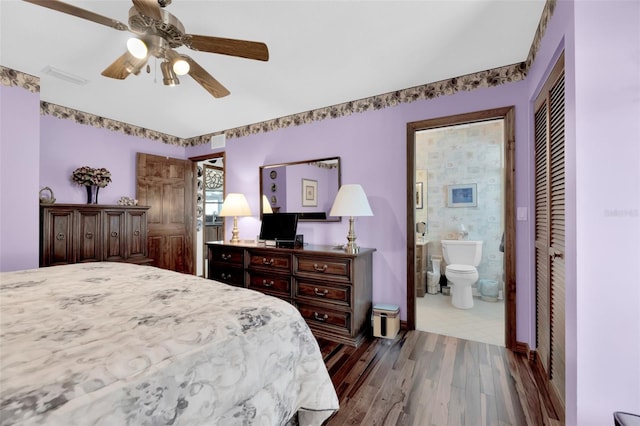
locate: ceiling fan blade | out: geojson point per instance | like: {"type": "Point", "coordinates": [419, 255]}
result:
{"type": "Point", "coordinates": [227, 46]}
{"type": "Point", "coordinates": [149, 8]}
{"type": "Point", "coordinates": [80, 13]}
{"type": "Point", "coordinates": [123, 66]}
{"type": "Point", "coordinates": [205, 79]}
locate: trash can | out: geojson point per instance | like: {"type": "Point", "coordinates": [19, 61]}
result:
{"type": "Point", "coordinates": [386, 320]}
{"type": "Point", "coordinates": [488, 290]}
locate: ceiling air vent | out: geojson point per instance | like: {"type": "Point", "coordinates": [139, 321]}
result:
{"type": "Point", "coordinates": [64, 75]}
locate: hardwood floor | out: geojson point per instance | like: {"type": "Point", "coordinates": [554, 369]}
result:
{"type": "Point", "coordinates": [422, 378]}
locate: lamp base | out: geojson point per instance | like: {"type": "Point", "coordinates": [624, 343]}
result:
{"type": "Point", "coordinates": [351, 246]}
{"type": "Point", "coordinates": [235, 238]}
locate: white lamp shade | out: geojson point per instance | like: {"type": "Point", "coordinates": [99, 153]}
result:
{"type": "Point", "coordinates": [266, 205]}
{"type": "Point", "coordinates": [235, 205]}
{"type": "Point", "coordinates": [351, 201]}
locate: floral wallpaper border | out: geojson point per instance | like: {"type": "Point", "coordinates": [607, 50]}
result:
{"type": "Point", "coordinates": [13, 78]}
{"type": "Point", "coordinates": [488, 78]}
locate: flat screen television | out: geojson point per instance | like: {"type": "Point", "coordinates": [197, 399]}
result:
{"type": "Point", "coordinates": [279, 227]}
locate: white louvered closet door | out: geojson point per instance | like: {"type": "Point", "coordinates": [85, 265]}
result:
{"type": "Point", "coordinates": [550, 229]}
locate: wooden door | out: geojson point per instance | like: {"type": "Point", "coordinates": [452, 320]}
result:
{"type": "Point", "coordinates": [166, 185]}
{"type": "Point", "coordinates": [550, 231]}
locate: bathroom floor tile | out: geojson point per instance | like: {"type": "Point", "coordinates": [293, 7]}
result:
{"type": "Point", "coordinates": [482, 323]}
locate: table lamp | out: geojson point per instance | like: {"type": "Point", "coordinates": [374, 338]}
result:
{"type": "Point", "coordinates": [235, 205]}
{"type": "Point", "coordinates": [351, 201]}
{"type": "Point", "coordinates": [266, 205]}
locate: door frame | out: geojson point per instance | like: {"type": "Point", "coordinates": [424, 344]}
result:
{"type": "Point", "coordinates": [508, 115]}
{"type": "Point", "coordinates": [195, 161]}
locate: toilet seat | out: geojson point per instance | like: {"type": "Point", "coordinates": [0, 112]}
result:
{"type": "Point", "coordinates": [461, 269]}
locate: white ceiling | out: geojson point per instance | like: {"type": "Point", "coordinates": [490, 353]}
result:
{"type": "Point", "coordinates": [322, 53]}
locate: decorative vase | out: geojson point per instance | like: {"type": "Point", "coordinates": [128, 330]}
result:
{"type": "Point", "coordinates": [92, 194]}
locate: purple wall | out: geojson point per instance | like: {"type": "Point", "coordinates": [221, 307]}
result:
{"type": "Point", "coordinates": [19, 152]}
{"type": "Point", "coordinates": [602, 87]}
{"type": "Point", "coordinates": [372, 147]}
{"type": "Point", "coordinates": [607, 167]}
{"type": "Point", "coordinates": [67, 145]}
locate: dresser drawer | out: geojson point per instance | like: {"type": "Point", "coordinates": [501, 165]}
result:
{"type": "Point", "coordinates": [232, 256]}
{"type": "Point", "coordinates": [269, 260]}
{"type": "Point", "coordinates": [319, 317]}
{"type": "Point", "coordinates": [272, 284]}
{"type": "Point", "coordinates": [322, 292]}
{"type": "Point", "coordinates": [318, 267]}
{"type": "Point", "coordinates": [226, 274]}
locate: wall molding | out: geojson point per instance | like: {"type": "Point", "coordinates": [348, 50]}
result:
{"type": "Point", "coordinates": [483, 79]}
{"type": "Point", "coordinates": [81, 117]}
{"type": "Point", "coordinates": [12, 78]}
{"type": "Point", "coordinates": [523, 349]}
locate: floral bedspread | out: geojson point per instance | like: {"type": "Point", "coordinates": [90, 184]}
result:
{"type": "Point", "coordinates": [120, 344]}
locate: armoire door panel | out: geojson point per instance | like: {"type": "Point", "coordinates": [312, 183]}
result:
{"type": "Point", "coordinates": [89, 236]}
{"type": "Point", "coordinates": [114, 235]}
{"type": "Point", "coordinates": [58, 231]}
{"type": "Point", "coordinates": [137, 231]}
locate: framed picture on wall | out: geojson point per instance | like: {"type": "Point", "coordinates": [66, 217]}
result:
{"type": "Point", "coordinates": [309, 193]}
{"type": "Point", "coordinates": [463, 195]}
{"type": "Point", "coordinates": [419, 195]}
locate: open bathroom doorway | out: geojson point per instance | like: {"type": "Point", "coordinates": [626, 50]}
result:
{"type": "Point", "coordinates": [473, 153]}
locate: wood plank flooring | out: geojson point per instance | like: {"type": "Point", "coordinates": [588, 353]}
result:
{"type": "Point", "coordinates": [422, 378]}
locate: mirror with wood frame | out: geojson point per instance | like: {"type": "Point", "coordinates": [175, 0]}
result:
{"type": "Point", "coordinates": [305, 187]}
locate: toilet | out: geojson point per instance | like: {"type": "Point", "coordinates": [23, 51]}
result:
{"type": "Point", "coordinates": [462, 257]}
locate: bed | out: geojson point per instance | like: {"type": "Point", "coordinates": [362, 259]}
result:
{"type": "Point", "coordinates": [120, 344]}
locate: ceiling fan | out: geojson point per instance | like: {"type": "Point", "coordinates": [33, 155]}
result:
{"type": "Point", "coordinates": [158, 33]}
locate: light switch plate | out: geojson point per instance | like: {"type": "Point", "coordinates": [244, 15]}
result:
{"type": "Point", "coordinates": [522, 213]}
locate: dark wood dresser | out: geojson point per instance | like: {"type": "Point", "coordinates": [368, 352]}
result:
{"type": "Point", "coordinates": [72, 233]}
{"type": "Point", "coordinates": [330, 288]}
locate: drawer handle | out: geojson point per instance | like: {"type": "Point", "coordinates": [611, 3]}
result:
{"type": "Point", "coordinates": [322, 318]}
{"type": "Point", "coordinates": [225, 276]}
{"type": "Point", "coordinates": [88, 235]}
{"type": "Point", "coordinates": [114, 234]}
{"type": "Point", "coordinates": [60, 236]}
{"type": "Point", "coordinates": [225, 256]}
{"type": "Point", "coordinates": [318, 268]}
{"type": "Point", "coordinates": [267, 283]}
{"type": "Point", "coordinates": [136, 233]}
{"type": "Point", "coordinates": [320, 293]}
{"type": "Point", "coordinates": [266, 261]}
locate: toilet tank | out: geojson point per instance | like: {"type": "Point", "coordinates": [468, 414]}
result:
{"type": "Point", "coordinates": [462, 252]}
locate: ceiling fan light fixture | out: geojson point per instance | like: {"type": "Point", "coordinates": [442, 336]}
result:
{"type": "Point", "coordinates": [137, 48]}
{"type": "Point", "coordinates": [169, 78]}
{"type": "Point", "coordinates": [181, 67]}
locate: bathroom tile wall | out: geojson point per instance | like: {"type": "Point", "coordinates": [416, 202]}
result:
{"type": "Point", "coordinates": [466, 154]}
